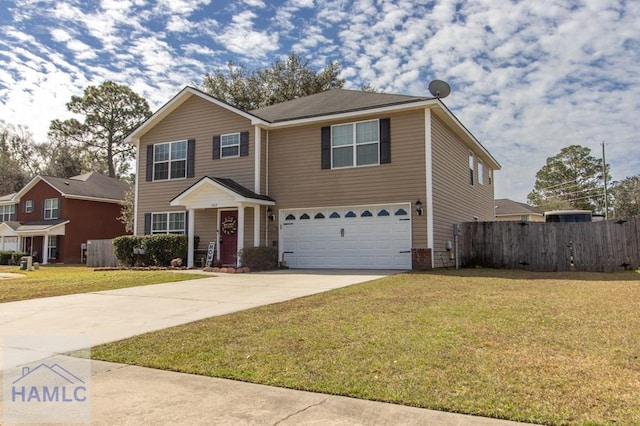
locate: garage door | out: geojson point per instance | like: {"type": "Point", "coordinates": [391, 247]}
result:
{"type": "Point", "coordinates": [358, 237]}
{"type": "Point", "coordinates": [9, 243]}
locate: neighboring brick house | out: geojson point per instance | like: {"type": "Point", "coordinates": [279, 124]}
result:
{"type": "Point", "coordinates": [340, 179]}
{"type": "Point", "coordinates": [509, 210]}
{"type": "Point", "coordinates": [52, 217]}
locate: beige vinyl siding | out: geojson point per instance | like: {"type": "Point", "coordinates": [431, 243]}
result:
{"type": "Point", "coordinates": [296, 179]}
{"type": "Point", "coordinates": [454, 199]}
{"type": "Point", "coordinates": [200, 120]}
{"type": "Point", "coordinates": [205, 227]}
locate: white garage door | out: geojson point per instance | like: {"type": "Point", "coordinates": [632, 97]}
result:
{"type": "Point", "coordinates": [9, 243]}
{"type": "Point", "coordinates": [358, 237]}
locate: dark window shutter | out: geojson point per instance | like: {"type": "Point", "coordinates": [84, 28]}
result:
{"type": "Point", "coordinates": [42, 209]}
{"type": "Point", "coordinates": [149, 162]}
{"type": "Point", "coordinates": [186, 223]}
{"type": "Point", "coordinates": [244, 144]}
{"type": "Point", "coordinates": [326, 147]}
{"type": "Point", "coordinates": [385, 140]}
{"type": "Point", "coordinates": [60, 208]}
{"type": "Point", "coordinates": [147, 223]}
{"type": "Point", "coordinates": [216, 147]}
{"type": "Point", "coordinates": [191, 158]}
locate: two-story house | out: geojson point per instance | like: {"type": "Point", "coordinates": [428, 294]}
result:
{"type": "Point", "coordinates": [51, 218]}
{"type": "Point", "coordinates": [339, 179]}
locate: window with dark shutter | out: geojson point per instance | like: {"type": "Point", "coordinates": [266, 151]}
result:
{"type": "Point", "coordinates": [326, 147]}
{"type": "Point", "coordinates": [244, 144]}
{"type": "Point", "coordinates": [216, 147]}
{"type": "Point", "coordinates": [385, 140]}
{"type": "Point", "coordinates": [147, 223]}
{"type": "Point", "coordinates": [191, 158]}
{"type": "Point", "coordinates": [149, 163]}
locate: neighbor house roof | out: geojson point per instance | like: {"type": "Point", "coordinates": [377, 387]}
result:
{"type": "Point", "coordinates": [505, 207]}
{"type": "Point", "coordinates": [90, 186]}
{"type": "Point", "coordinates": [331, 102]}
{"type": "Point", "coordinates": [7, 199]}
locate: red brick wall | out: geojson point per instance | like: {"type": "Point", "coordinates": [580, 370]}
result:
{"type": "Point", "coordinates": [90, 220]}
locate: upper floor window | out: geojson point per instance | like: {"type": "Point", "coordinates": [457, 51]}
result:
{"type": "Point", "coordinates": [170, 160]}
{"type": "Point", "coordinates": [7, 213]}
{"type": "Point", "coordinates": [355, 144]}
{"type": "Point", "coordinates": [471, 168]}
{"type": "Point", "coordinates": [168, 223]}
{"type": "Point", "coordinates": [51, 208]}
{"type": "Point", "coordinates": [28, 206]}
{"type": "Point", "coordinates": [230, 145]}
{"type": "Point", "coordinates": [480, 173]}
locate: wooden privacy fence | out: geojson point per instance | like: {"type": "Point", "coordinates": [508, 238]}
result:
{"type": "Point", "coordinates": [604, 246]}
{"type": "Point", "coordinates": [100, 254]}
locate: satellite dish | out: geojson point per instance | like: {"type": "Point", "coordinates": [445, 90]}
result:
{"type": "Point", "coordinates": [439, 89]}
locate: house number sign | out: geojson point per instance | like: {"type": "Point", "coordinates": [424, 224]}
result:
{"type": "Point", "coordinates": [229, 225]}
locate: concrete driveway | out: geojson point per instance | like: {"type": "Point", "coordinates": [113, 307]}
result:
{"type": "Point", "coordinates": [107, 316]}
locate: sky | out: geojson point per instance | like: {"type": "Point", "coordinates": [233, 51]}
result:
{"type": "Point", "coordinates": [527, 77]}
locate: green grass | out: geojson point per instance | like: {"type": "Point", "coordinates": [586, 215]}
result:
{"type": "Point", "coordinates": [537, 347]}
{"type": "Point", "coordinates": [60, 280]}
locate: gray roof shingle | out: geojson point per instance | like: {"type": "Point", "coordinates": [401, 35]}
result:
{"type": "Point", "coordinates": [90, 185]}
{"type": "Point", "coordinates": [504, 206]}
{"type": "Point", "coordinates": [331, 102]}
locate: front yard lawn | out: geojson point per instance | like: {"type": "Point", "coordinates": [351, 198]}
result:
{"type": "Point", "coordinates": [60, 280]}
{"type": "Point", "coordinates": [537, 347]}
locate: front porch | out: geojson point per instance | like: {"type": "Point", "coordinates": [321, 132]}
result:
{"type": "Point", "coordinates": [39, 239]}
{"type": "Point", "coordinates": [236, 213]}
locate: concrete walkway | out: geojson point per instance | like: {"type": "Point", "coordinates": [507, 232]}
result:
{"type": "Point", "coordinates": [123, 394]}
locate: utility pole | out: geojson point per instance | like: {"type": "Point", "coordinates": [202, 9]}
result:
{"type": "Point", "coordinates": [604, 177]}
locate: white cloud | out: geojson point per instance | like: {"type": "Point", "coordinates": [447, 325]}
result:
{"type": "Point", "coordinates": [527, 77]}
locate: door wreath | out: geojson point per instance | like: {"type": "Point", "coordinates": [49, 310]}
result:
{"type": "Point", "coordinates": [229, 225]}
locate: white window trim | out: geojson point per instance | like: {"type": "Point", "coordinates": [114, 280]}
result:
{"type": "Point", "coordinates": [472, 169]}
{"type": "Point", "coordinates": [186, 162]}
{"type": "Point", "coordinates": [355, 145]}
{"type": "Point", "coordinates": [168, 230]}
{"type": "Point", "coordinates": [52, 248]}
{"type": "Point", "coordinates": [228, 146]}
{"type": "Point", "coordinates": [480, 172]}
{"type": "Point", "coordinates": [51, 209]}
{"type": "Point", "coordinates": [28, 206]}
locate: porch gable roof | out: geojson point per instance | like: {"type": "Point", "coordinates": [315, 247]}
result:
{"type": "Point", "coordinates": [212, 192]}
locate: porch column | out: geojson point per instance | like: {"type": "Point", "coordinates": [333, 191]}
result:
{"type": "Point", "coordinates": [190, 235]}
{"type": "Point", "coordinates": [45, 249]}
{"type": "Point", "coordinates": [256, 225]}
{"type": "Point", "coordinates": [240, 231]}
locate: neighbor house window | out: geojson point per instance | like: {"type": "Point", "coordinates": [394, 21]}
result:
{"type": "Point", "coordinates": [230, 145]}
{"type": "Point", "coordinates": [480, 173]}
{"type": "Point", "coordinates": [51, 208]}
{"type": "Point", "coordinates": [168, 223]}
{"type": "Point", "coordinates": [471, 168]}
{"type": "Point", "coordinates": [355, 144]}
{"type": "Point", "coordinates": [52, 252]}
{"type": "Point", "coordinates": [28, 206]}
{"type": "Point", "coordinates": [7, 213]}
{"type": "Point", "coordinates": [170, 160]}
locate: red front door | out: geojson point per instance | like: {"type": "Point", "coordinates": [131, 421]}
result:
{"type": "Point", "coordinates": [228, 237]}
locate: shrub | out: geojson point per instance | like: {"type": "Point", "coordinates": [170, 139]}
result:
{"type": "Point", "coordinates": [5, 257]}
{"type": "Point", "coordinates": [123, 248]}
{"type": "Point", "coordinates": [15, 257]}
{"type": "Point", "coordinates": [159, 250]}
{"type": "Point", "coordinates": [260, 258]}
{"type": "Point", "coordinates": [162, 249]}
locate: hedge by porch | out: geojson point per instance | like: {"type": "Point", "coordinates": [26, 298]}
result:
{"type": "Point", "coordinates": [158, 250]}
{"type": "Point", "coordinates": [11, 257]}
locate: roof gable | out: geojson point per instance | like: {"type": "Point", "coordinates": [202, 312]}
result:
{"type": "Point", "coordinates": [175, 102]}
